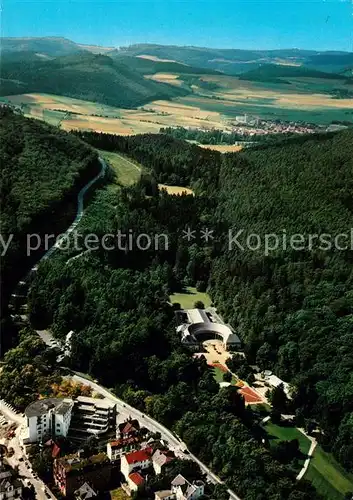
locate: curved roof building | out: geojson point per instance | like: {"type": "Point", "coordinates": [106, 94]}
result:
{"type": "Point", "coordinates": [198, 324]}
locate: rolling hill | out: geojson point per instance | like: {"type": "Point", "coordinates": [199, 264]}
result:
{"type": "Point", "coordinates": [84, 76]}
{"type": "Point", "coordinates": [229, 61]}
{"type": "Point", "coordinates": [50, 46]}
{"type": "Point", "coordinates": [275, 73]}
{"type": "Point", "coordinates": [237, 61]}
{"type": "Point", "coordinates": [149, 66]}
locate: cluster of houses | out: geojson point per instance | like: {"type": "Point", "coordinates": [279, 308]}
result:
{"type": "Point", "coordinates": [10, 484]}
{"type": "Point", "coordinates": [130, 452]}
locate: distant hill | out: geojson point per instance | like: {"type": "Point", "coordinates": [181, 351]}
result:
{"type": "Point", "coordinates": [84, 76]}
{"type": "Point", "coordinates": [237, 61]}
{"type": "Point", "coordinates": [278, 74]}
{"type": "Point", "coordinates": [150, 67]}
{"type": "Point", "coordinates": [229, 61]}
{"type": "Point", "coordinates": [51, 46]}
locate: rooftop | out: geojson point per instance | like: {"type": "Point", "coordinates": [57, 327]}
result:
{"type": "Point", "coordinates": [162, 457]}
{"type": "Point", "coordinates": [75, 462]}
{"type": "Point", "coordinates": [163, 494]}
{"type": "Point", "coordinates": [136, 478]}
{"type": "Point", "coordinates": [43, 406]}
{"type": "Point", "coordinates": [98, 403]}
{"type": "Point", "coordinates": [139, 456]}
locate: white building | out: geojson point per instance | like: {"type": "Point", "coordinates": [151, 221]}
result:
{"type": "Point", "coordinates": [184, 490]}
{"type": "Point", "coordinates": [136, 461]}
{"type": "Point", "coordinates": [49, 417]}
{"type": "Point", "coordinates": [83, 417]}
{"type": "Point", "coordinates": [160, 458]}
{"type": "Point", "coordinates": [195, 325]}
{"type": "Point", "coordinates": [275, 381]}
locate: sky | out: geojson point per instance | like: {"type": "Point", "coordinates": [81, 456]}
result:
{"type": "Point", "coordinates": [247, 24]}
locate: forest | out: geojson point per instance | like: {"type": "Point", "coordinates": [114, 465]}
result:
{"type": "Point", "coordinates": [217, 136]}
{"type": "Point", "coordinates": [292, 309]}
{"type": "Point", "coordinates": [116, 302]}
{"type": "Point", "coordinates": [83, 76]}
{"type": "Point", "coordinates": [42, 169]}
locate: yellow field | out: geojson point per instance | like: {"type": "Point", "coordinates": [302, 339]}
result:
{"type": "Point", "coordinates": [234, 90]}
{"type": "Point", "coordinates": [107, 125]}
{"type": "Point", "coordinates": [156, 59]}
{"type": "Point", "coordinates": [222, 148]}
{"type": "Point", "coordinates": [176, 189]}
{"type": "Point", "coordinates": [203, 109]}
{"type": "Point", "coordinates": [171, 78]}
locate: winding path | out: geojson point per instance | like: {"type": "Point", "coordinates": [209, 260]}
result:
{"type": "Point", "coordinates": [79, 212]}
{"type": "Point", "coordinates": [310, 454]}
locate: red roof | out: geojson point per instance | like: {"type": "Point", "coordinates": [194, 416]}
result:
{"type": "Point", "coordinates": [136, 478]}
{"type": "Point", "coordinates": [55, 451]}
{"type": "Point", "coordinates": [250, 396]}
{"type": "Point", "coordinates": [139, 456]}
{"type": "Point", "coordinates": [119, 443]}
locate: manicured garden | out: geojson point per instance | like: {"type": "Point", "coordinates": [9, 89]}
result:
{"type": "Point", "coordinates": [188, 298]}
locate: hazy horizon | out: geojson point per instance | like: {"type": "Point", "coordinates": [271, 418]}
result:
{"type": "Point", "coordinates": [321, 25]}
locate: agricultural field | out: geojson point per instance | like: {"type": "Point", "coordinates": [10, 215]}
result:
{"type": "Point", "coordinates": [328, 477]}
{"type": "Point", "coordinates": [171, 78]}
{"type": "Point", "coordinates": [188, 298]}
{"type": "Point", "coordinates": [214, 102]}
{"type": "Point", "coordinates": [176, 189]}
{"type": "Point", "coordinates": [222, 148]}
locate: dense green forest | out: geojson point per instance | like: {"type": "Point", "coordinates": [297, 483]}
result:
{"type": "Point", "coordinates": [292, 308]}
{"type": "Point", "coordinates": [116, 303]}
{"type": "Point", "coordinates": [276, 73]}
{"type": "Point", "coordinates": [42, 169]}
{"type": "Point", "coordinates": [84, 76]}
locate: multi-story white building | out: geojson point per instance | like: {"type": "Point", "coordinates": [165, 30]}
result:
{"type": "Point", "coordinates": [49, 417]}
{"type": "Point", "coordinates": [92, 416]}
{"type": "Point", "coordinates": [83, 417]}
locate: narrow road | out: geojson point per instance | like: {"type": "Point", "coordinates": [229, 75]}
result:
{"type": "Point", "coordinates": [129, 411]}
{"type": "Point", "coordinates": [17, 459]}
{"type": "Point", "coordinates": [79, 212]}
{"type": "Point", "coordinates": [310, 454]}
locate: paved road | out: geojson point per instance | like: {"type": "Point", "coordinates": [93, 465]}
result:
{"type": "Point", "coordinates": [126, 411]}
{"type": "Point", "coordinates": [79, 212]}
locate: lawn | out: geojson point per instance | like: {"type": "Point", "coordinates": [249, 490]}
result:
{"type": "Point", "coordinates": [278, 433]}
{"type": "Point", "coordinates": [127, 172]}
{"type": "Point", "coordinates": [328, 477]}
{"type": "Point", "coordinates": [188, 298]}
{"type": "Point", "coordinates": [118, 494]}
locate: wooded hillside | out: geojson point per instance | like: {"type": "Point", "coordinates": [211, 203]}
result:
{"type": "Point", "coordinates": [42, 169]}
